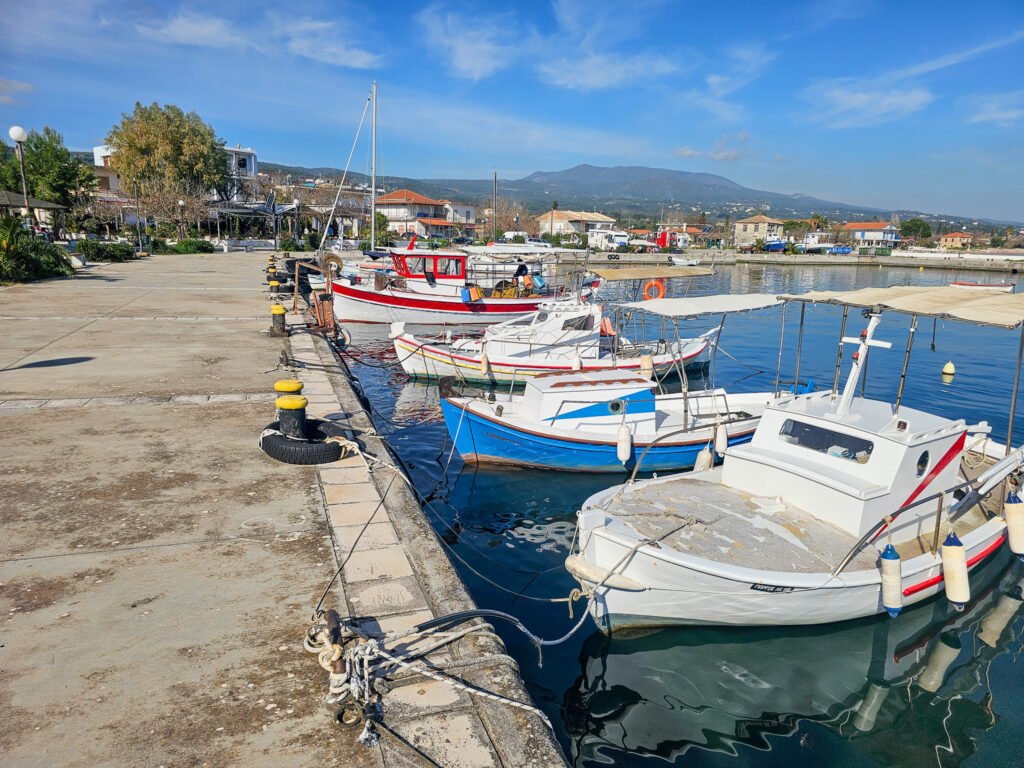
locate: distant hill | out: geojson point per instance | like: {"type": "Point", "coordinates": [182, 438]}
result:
{"type": "Point", "coordinates": [626, 189]}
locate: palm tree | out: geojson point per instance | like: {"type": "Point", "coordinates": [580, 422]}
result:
{"type": "Point", "coordinates": [819, 222]}
{"type": "Point", "coordinates": [759, 245]}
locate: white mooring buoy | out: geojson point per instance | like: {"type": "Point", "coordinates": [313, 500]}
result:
{"type": "Point", "coordinates": [624, 444]}
{"type": "Point", "coordinates": [1013, 511]}
{"type": "Point", "coordinates": [646, 366]}
{"type": "Point", "coordinates": [954, 571]}
{"type": "Point", "coordinates": [705, 460]}
{"type": "Point", "coordinates": [721, 439]}
{"type": "Point", "coordinates": [892, 581]}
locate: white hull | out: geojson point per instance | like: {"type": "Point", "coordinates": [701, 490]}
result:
{"type": "Point", "coordinates": [419, 359]}
{"type": "Point", "coordinates": [682, 590]}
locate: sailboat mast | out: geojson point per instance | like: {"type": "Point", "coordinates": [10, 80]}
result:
{"type": "Point", "coordinates": [494, 209]}
{"type": "Point", "coordinates": [373, 170]}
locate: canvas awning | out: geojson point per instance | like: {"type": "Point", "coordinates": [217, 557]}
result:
{"type": "Point", "coordinates": [649, 273]}
{"type": "Point", "coordinates": [706, 305]}
{"type": "Point", "coordinates": [992, 308]}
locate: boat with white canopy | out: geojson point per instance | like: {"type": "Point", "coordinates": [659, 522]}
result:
{"type": "Point", "coordinates": [612, 420]}
{"type": "Point", "coordinates": [835, 509]}
{"type": "Point", "coordinates": [560, 336]}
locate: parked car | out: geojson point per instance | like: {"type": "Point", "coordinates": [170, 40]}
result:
{"type": "Point", "coordinates": [537, 242]}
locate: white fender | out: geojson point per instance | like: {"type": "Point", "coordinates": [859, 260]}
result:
{"type": "Point", "coordinates": [624, 444]}
{"type": "Point", "coordinates": [954, 571]}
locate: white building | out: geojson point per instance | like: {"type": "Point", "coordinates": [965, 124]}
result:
{"type": "Point", "coordinates": [459, 213]}
{"type": "Point", "coordinates": [872, 234]}
{"type": "Point", "coordinates": [760, 227]}
{"type": "Point", "coordinates": [572, 222]}
{"type": "Point", "coordinates": [413, 213]}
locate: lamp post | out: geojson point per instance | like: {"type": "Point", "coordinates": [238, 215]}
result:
{"type": "Point", "coordinates": [18, 136]}
{"type": "Point", "coordinates": [295, 202]}
{"type": "Point", "coordinates": [181, 219]}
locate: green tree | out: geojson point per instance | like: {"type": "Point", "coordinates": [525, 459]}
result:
{"type": "Point", "coordinates": [383, 233]}
{"type": "Point", "coordinates": [819, 222]}
{"type": "Point", "coordinates": [760, 244]}
{"type": "Point", "coordinates": [918, 229]}
{"type": "Point", "coordinates": [163, 146]}
{"type": "Point", "coordinates": [51, 172]}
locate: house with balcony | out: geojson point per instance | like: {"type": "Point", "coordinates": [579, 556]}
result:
{"type": "Point", "coordinates": [871, 234]}
{"type": "Point", "coordinates": [411, 213]}
{"type": "Point", "coordinates": [956, 241]}
{"type": "Point", "coordinates": [572, 222]}
{"type": "Point", "coordinates": [748, 231]}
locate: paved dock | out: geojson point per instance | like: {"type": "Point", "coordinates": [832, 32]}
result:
{"type": "Point", "coordinates": [158, 571]}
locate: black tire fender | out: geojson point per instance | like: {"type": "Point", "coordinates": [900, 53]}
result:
{"type": "Point", "coordinates": [317, 448]}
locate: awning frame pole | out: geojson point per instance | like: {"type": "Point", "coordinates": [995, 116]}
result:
{"type": "Point", "coordinates": [906, 363]}
{"type": "Point", "coordinates": [1016, 389]}
{"type": "Point", "coordinates": [799, 350]}
{"type": "Point", "coordinates": [839, 354]}
{"type": "Point", "coordinates": [782, 341]}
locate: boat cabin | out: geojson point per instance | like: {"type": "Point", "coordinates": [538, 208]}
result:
{"type": "Point", "coordinates": [591, 398]}
{"type": "Point", "coordinates": [571, 328]}
{"type": "Point", "coordinates": [429, 266]}
{"type": "Point", "coordinates": [852, 471]}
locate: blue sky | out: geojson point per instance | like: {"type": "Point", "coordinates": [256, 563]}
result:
{"type": "Point", "coordinates": [896, 105]}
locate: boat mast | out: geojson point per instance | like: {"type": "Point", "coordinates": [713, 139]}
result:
{"type": "Point", "coordinates": [494, 210]}
{"type": "Point", "coordinates": [373, 170]}
{"type": "Point", "coordinates": [860, 358]}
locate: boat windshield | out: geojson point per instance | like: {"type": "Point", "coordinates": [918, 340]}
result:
{"type": "Point", "coordinates": [826, 441]}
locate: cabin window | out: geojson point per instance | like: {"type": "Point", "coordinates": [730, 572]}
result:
{"type": "Point", "coordinates": [826, 441]}
{"type": "Point", "coordinates": [581, 323]}
{"type": "Point", "coordinates": [447, 267]}
{"type": "Point", "coordinates": [415, 266]}
{"type": "Point", "coordinates": [922, 463]}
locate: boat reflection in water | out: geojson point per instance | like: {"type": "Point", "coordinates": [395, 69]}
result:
{"type": "Point", "coordinates": [909, 691]}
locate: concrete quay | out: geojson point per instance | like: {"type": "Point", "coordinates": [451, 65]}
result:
{"type": "Point", "coordinates": [158, 571]}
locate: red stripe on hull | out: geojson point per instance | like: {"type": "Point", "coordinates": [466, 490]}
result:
{"type": "Point", "coordinates": [481, 307]}
{"type": "Point", "coordinates": [915, 588]}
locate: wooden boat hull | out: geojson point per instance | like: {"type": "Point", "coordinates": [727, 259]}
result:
{"type": "Point", "coordinates": [666, 587]}
{"type": "Point", "coordinates": [484, 439]}
{"type": "Point", "coordinates": [430, 361]}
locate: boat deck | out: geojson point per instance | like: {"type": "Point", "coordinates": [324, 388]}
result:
{"type": "Point", "coordinates": [729, 526]}
{"type": "Point", "coordinates": [737, 528]}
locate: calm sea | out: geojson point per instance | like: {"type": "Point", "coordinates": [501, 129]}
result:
{"type": "Point", "coordinates": [933, 687]}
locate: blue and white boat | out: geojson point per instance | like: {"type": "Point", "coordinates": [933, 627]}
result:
{"type": "Point", "coordinates": [610, 420]}
{"type": "Point", "coordinates": [599, 421]}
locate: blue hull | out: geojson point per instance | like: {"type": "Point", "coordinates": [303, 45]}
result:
{"type": "Point", "coordinates": [481, 440]}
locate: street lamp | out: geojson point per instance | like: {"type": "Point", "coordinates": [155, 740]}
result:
{"type": "Point", "coordinates": [181, 219]}
{"type": "Point", "coordinates": [295, 202]}
{"type": "Point", "coordinates": [18, 136]}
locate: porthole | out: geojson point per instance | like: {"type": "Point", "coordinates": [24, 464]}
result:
{"type": "Point", "coordinates": [616, 406]}
{"type": "Point", "coordinates": [922, 463]}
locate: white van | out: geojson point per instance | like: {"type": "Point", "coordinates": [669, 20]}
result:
{"type": "Point", "coordinates": [508, 237]}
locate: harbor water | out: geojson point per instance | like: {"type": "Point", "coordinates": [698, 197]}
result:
{"type": "Point", "coordinates": [933, 687]}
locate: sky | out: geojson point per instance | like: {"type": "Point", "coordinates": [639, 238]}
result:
{"type": "Point", "coordinates": [915, 105]}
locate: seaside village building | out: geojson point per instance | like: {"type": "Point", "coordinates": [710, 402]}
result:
{"type": "Point", "coordinates": [241, 168]}
{"type": "Point", "coordinates": [760, 227]}
{"type": "Point", "coordinates": [410, 213]}
{"type": "Point", "coordinates": [572, 222]}
{"type": "Point", "coordinates": [871, 234]}
{"type": "Point", "coordinates": [956, 240]}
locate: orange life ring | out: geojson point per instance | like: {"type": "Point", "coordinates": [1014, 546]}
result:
{"type": "Point", "coordinates": [654, 289]}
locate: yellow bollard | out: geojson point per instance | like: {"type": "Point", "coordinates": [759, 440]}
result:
{"type": "Point", "coordinates": [277, 312]}
{"type": "Point", "coordinates": [291, 414]}
{"type": "Point", "coordinates": [288, 387]}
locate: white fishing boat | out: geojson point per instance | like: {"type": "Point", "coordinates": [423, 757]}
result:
{"type": "Point", "coordinates": [611, 420]}
{"type": "Point", "coordinates": [835, 510]}
{"type": "Point", "coordinates": [560, 336]}
{"type": "Point", "coordinates": [968, 285]}
{"type": "Point", "coordinates": [683, 261]}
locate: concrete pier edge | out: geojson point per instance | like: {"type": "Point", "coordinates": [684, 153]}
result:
{"type": "Point", "coordinates": [517, 737]}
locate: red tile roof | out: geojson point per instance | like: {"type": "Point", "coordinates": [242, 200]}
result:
{"type": "Point", "coordinates": [864, 225]}
{"type": "Point", "coordinates": [959, 234]}
{"type": "Point", "coordinates": [435, 222]}
{"type": "Point", "coordinates": [407, 196]}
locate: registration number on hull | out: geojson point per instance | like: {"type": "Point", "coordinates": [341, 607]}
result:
{"type": "Point", "coordinates": [773, 588]}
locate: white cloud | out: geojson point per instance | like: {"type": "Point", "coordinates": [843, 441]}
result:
{"type": "Point", "coordinates": [320, 41]}
{"type": "Point", "coordinates": [603, 70]}
{"type": "Point", "coordinates": [852, 105]}
{"type": "Point", "coordinates": [9, 89]}
{"type": "Point", "coordinates": [729, 147]}
{"type": "Point", "coordinates": [473, 47]}
{"type": "Point", "coordinates": [196, 30]}
{"type": "Point", "coordinates": [1003, 109]}
{"type": "Point", "coordinates": [954, 58]}
{"type": "Point", "coordinates": [745, 64]}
